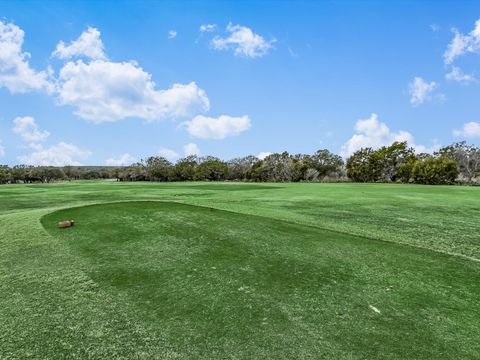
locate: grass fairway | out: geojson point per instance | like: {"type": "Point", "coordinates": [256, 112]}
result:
{"type": "Point", "coordinates": [240, 271]}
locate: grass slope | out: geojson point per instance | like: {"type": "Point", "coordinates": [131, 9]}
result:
{"type": "Point", "coordinates": [265, 279]}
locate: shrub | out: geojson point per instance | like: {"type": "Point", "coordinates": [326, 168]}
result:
{"type": "Point", "coordinates": [435, 171]}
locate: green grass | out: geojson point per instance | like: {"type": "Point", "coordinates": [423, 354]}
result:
{"type": "Point", "coordinates": [239, 271]}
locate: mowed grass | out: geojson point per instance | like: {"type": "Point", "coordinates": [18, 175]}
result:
{"type": "Point", "coordinates": [240, 271]}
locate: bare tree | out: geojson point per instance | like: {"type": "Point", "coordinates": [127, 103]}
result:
{"type": "Point", "coordinates": [466, 156]}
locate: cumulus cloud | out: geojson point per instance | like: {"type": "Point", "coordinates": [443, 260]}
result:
{"type": "Point", "coordinates": [205, 127]}
{"type": "Point", "coordinates": [101, 90]}
{"type": "Point", "coordinates": [208, 27]}
{"type": "Point", "coordinates": [420, 90]}
{"type": "Point", "coordinates": [98, 89]}
{"type": "Point", "coordinates": [28, 129]}
{"type": "Point", "coordinates": [88, 44]}
{"type": "Point", "coordinates": [243, 41]}
{"type": "Point", "coordinates": [15, 71]}
{"type": "Point", "coordinates": [191, 149]}
{"type": "Point", "coordinates": [262, 155]}
{"type": "Point", "coordinates": [469, 130]}
{"type": "Point", "coordinates": [57, 155]}
{"type": "Point", "coordinates": [172, 34]}
{"type": "Point", "coordinates": [456, 74]}
{"type": "Point", "coordinates": [373, 133]}
{"type": "Point", "coordinates": [108, 91]}
{"type": "Point", "coordinates": [122, 160]}
{"type": "Point", "coordinates": [168, 153]}
{"type": "Point", "coordinates": [462, 44]}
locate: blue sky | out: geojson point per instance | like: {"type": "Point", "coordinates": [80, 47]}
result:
{"type": "Point", "coordinates": [262, 77]}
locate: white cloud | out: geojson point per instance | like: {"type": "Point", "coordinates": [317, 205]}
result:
{"type": "Point", "coordinates": [205, 127]}
{"type": "Point", "coordinates": [98, 89]}
{"type": "Point", "coordinates": [172, 34]}
{"type": "Point", "coordinates": [191, 149]}
{"type": "Point", "coordinates": [88, 44]}
{"type": "Point", "coordinates": [469, 130]}
{"type": "Point", "coordinates": [262, 155]}
{"type": "Point", "coordinates": [28, 129]}
{"type": "Point", "coordinates": [208, 27]}
{"type": "Point", "coordinates": [420, 90]}
{"type": "Point", "coordinates": [243, 41]}
{"type": "Point", "coordinates": [434, 27]}
{"type": "Point", "coordinates": [457, 75]}
{"type": "Point", "coordinates": [457, 47]}
{"type": "Point", "coordinates": [2, 150]}
{"type": "Point", "coordinates": [101, 90]}
{"type": "Point", "coordinates": [108, 91]}
{"type": "Point", "coordinates": [462, 44]}
{"type": "Point", "coordinates": [373, 133]}
{"type": "Point", "coordinates": [122, 160]}
{"type": "Point", "coordinates": [168, 153]}
{"type": "Point", "coordinates": [15, 71]}
{"type": "Point", "coordinates": [57, 155]}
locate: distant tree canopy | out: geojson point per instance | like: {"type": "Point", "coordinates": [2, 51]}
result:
{"type": "Point", "coordinates": [456, 163]}
{"type": "Point", "coordinates": [435, 170]}
{"type": "Point", "coordinates": [398, 162]}
{"type": "Point", "coordinates": [157, 168]}
{"type": "Point", "coordinates": [381, 165]}
{"type": "Point", "coordinates": [46, 174]}
{"type": "Point", "coordinates": [467, 158]}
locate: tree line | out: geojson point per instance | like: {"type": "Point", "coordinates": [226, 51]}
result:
{"type": "Point", "coordinates": [45, 174]}
{"type": "Point", "coordinates": [456, 163]}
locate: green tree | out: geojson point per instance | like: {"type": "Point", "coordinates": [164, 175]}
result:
{"type": "Point", "coordinates": [184, 169]}
{"type": "Point", "coordinates": [134, 172]}
{"type": "Point", "coordinates": [72, 173]}
{"type": "Point", "coordinates": [405, 170]}
{"type": "Point", "coordinates": [326, 163]}
{"type": "Point", "coordinates": [279, 167]}
{"type": "Point", "coordinates": [212, 170]}
{"type": "Point", "coordinates": [20, 173]}
{"type": "Point", "coordinates": [359, 166]}
{"type": "Point", "coordinates": [5, 175]}
{"type": "Point", "coordinates": [388, 160]}
{"type": "Point", "coordinates": [435, 170]}
{"type": "Point", "coordinates": [257, 172]}
{"type": "Point", "coordinates": [158, 168]}
{"type": "Point", "coordinates": [383, 164]}
{"type": "Point", "coordinates": [47, 174]}
{"type": "Point", "coordinates": [239, 167]}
